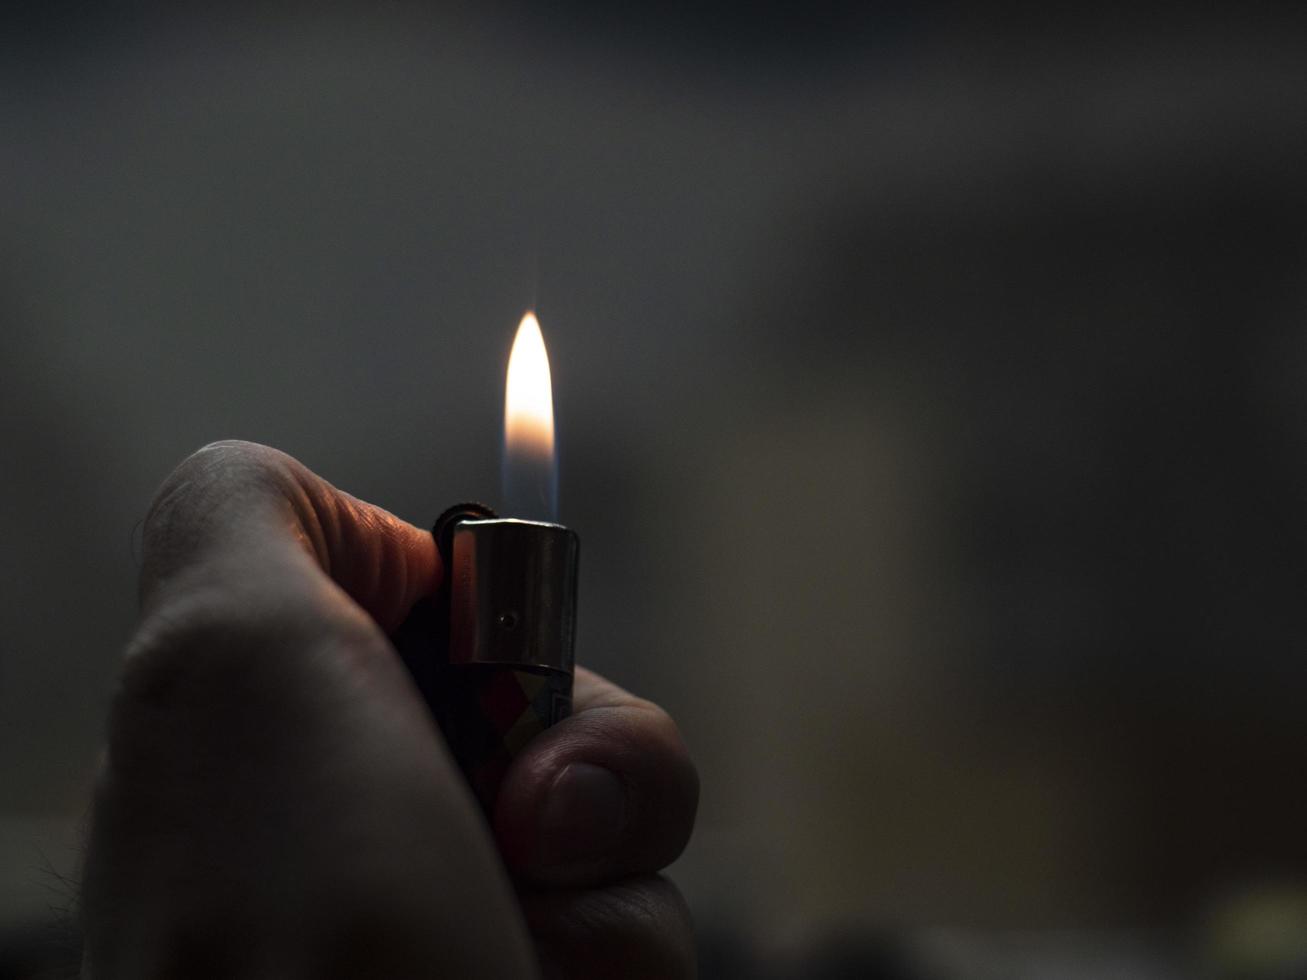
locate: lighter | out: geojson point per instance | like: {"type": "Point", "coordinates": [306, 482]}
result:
{"type": "Point", "coordinates": [492, 653]}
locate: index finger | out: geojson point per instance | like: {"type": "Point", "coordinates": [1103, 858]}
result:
{"type": "Point", "coordinates": [253, 518]}
{"type": "Point", "coordinates": [271, 772]}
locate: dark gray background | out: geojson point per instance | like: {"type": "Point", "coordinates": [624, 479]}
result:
{"type": "Point", "coordinates": [929, 390]}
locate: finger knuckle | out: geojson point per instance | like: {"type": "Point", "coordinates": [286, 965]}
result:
{"type": "Point", "coordinates": [216, 460]}
{"type": "Point", "coordinates": [213, 651]}
{"type": "Point", "coordinates": [173, 659]}
{"type": "Point", "coordinates": [185, 645]}
{"type": "Point", "coordinates": [214, 476]}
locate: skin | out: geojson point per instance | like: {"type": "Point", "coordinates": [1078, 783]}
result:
{"type": "Point", "coordinates": [275, 800]}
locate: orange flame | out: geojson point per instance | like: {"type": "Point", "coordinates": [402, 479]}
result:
{"type": "Point", "coordinates": [529, 397]}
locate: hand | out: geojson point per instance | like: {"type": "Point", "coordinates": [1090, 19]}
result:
{"type": "Point", "coordinates": [275, 799]}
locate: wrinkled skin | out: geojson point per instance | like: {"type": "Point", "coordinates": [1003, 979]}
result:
{"type": "Point", "coordinates": [275, 800]}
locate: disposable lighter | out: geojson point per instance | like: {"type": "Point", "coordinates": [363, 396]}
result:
{"type": "Point", "coordinates": [492, 653]}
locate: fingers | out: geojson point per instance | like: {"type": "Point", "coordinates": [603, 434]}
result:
{"type": "Point", "coordinates": [272, 781]}
{"type": "Point", "coordinates": [247, 650]}
{"type": "Point", "coordinates": [250, 519]}
{"type": "Point", "coordinates": [637, 929]}
{"type": "Point", "coordinates": [239, 550]}
{"type": "Point", "coordinates": [605, 794]}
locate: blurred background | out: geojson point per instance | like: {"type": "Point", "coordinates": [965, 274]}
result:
{"type": "Point", "coordinates": [930, 398]}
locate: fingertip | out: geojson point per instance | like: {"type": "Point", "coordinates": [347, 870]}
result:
{"type": "Point", "coordinates": [609, 792]}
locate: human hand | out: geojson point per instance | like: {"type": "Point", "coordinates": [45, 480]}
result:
{"type": "Point", "coordinates": [276, 800]}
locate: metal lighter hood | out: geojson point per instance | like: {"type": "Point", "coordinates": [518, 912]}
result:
{"type": "Point", "coordinates": [513, 593]}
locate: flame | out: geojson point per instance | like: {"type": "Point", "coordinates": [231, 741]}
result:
{"type": "Point", "coordinates": [529, 398]}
